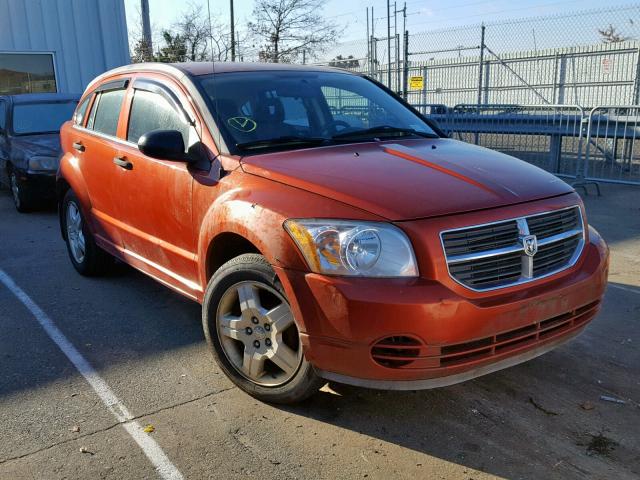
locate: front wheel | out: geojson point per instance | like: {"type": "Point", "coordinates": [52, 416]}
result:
{"type": "Point", "coordinates": [22, 196]}
{"type": "Point", "coordinates": [252, 334]}
{"type": "Point", "coordinates": [87, 258]}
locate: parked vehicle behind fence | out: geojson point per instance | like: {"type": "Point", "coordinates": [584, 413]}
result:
{"type": "Point", "coordinates": [30, 144]}
{"type": "Point", "coordinates": [329, 231]}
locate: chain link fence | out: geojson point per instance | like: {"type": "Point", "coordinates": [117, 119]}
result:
{"type": "Point", "coordinates": [532, 88]}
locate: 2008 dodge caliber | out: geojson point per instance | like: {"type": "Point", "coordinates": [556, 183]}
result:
{"type": "Point", "coordinates": [329, 230]}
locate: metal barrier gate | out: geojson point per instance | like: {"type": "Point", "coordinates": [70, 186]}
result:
{"type": "Point", "coordinates": [548, 136]}
{"type": "Point", "coordinates": [612, 146]}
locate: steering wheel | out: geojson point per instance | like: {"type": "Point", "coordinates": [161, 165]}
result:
{"type": "Point", "coordinates": [331, 128]}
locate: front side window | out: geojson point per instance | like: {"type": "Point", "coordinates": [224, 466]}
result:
{"type": "Point", "coordinates": [151, 111]}
{"type": "Point", "coordinates": [48, 117]}
{"type": "Point", "coordinates": [106, 112]}
{"type": "Point", "coordinates": [282, 109]}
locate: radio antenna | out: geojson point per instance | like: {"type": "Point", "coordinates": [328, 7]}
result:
{"type": "Point", "coordinates": [216, 116]}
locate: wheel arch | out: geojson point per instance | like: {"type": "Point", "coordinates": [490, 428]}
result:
{"type": "Point", "coordinates": [70, 178]}
{"type": "Point", "coordinates": [236, 226]}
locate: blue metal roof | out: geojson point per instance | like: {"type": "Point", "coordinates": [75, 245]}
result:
{"type": "Point", "coordinates": [41, 97]}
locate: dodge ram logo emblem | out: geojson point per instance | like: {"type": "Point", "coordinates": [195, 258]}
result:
{"type": "Point", "coordinates": [530, 245]}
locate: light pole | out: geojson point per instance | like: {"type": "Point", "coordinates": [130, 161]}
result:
{"type": "Point", "coordinates": [146, 29]}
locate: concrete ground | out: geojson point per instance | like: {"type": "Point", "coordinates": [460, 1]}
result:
{"type": "Point", "coordinates": [543, 419]}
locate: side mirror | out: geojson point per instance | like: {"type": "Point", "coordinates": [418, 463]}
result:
{"type": "Point", "coordinates": [164, 145]}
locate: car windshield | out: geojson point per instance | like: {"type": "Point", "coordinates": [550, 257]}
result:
{"type": "Point", "coordinates": [289, 109]}
{"type": "Point", "coordinates": [32, 118]}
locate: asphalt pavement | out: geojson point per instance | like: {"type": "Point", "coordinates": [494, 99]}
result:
{"type": "Point", "coordinates": [144, 346]}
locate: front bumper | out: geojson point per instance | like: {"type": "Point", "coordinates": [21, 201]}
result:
{"type": "Point", "coordinates": [457, 336]}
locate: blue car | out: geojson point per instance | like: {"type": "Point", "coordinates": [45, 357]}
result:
{"type": "Point", "coordinates": [30, 144]}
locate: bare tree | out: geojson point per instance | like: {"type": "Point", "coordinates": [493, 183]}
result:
{"type": "Point", "coordinates": [193, 39]}
{"type": "Point", "coordinates": [193, 29]}
{"type": "Point", "coordinates": [611, 35]}
{"type": "Point", "coordinates": [286, 28]}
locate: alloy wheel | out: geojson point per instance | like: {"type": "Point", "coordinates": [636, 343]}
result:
{"type": "Point", "coordinates": [75, 233]}
{"type": "Point", "coordinates": [258, 334]}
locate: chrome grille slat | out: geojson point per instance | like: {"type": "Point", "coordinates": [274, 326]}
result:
{"type": "Point", "coordinates": [486, 257]}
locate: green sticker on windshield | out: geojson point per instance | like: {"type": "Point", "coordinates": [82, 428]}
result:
{"type": "Point", "coordinates": [244, 124]}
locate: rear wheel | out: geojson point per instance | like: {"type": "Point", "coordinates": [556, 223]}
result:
{"type": "Point", "coordinates": [22, 197]}
{"type": "Point", "coordinates": [87, 258]}
{"type": "Point", "coordinates": [252, 334]}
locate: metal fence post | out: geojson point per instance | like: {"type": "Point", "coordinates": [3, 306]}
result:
{"type": "Point", "coordinates": [481, 65]}
{"type": "Point", "coordinates": [476, 136]}
{"type": "Point", "coordinates": [424, 89]}
{"type": "Point", "coordinates": [636, 81]}
{"type": "Point", "coordinates": [405, 69]}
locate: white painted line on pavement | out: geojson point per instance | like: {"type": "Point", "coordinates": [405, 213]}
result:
{"type": "Point", "coordinates": [149, 446]}
{"type": "Point", "coordinates": [626, 289]}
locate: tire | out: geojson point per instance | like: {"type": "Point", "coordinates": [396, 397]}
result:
{"type": "Point", "coordinates": [235, 333]}
{"type": "Point", "coordinates": [91, 260]}
{"type": "Point", "coordinates": [23, 198]}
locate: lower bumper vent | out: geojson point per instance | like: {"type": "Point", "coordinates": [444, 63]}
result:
{"type": "Point", "coordinates": [395, 352]}
{"type": "Point", "coordinates": [411, 353]}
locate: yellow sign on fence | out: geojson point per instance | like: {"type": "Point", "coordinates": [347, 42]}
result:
{"type": "Point", "coordinates": [416, 83]}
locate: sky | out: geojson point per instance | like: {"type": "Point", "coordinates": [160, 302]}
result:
{"type": "Point", "coordinates": [422, 15]}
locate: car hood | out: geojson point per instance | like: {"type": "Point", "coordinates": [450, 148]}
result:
{"type": "Point", "coordinates": [47, 145]}
{"type": "Point", "coordinates": [410, 179]}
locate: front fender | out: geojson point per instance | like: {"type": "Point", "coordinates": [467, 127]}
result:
{"type": "Point", "coordinates": [257, 224]}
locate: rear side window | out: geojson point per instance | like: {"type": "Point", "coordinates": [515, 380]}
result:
{"type": "Point", "coordinates": [106, 111]}
{"type": "Point", "coordinates": [81, 111]}
{"type": "Point", "coordinates": [151, 111]}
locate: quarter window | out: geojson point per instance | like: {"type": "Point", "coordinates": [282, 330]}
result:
{"type": "Point", "coordinates": [150, 111]}
{"type": "Point", "coordinates": [81, 111]}
{"type": "Point", "coordinates": [106, 111]}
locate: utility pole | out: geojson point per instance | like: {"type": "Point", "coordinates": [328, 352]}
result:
{"type": "Point", "coordinates": [388, 45]}
{"type": "Point", "coordinates": [233, 35]}
{"type": "Point", "coordinates": [397, 45]}
{"type": "Point", "coordinates": [146, 30]}
{"type": "Point", "coordinates": [368, 44]}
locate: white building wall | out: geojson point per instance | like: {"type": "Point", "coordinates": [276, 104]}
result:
{"type": "Point", "coordinates": [87, 37]}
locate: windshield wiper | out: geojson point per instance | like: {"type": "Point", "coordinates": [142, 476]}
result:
{"type": "Point", "coordinates": [283, 141]}
{"type": "Point", "coordinates": [383, 130]}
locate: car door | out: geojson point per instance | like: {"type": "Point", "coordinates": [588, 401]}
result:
{"type": "Point", "coordinates": [95, 142]}
{"type": "Point", "coordinates": [155, 194]}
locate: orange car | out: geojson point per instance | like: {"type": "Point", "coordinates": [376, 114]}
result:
{"type": "Point", "coordinates": [329, 231]}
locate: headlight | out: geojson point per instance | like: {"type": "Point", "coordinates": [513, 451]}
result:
{"type": "Point", "coordinates": [43, 163]}
{"type": "Point", "coordinates": [343, 247]}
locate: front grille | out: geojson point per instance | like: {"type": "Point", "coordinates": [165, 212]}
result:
{"type": "Point", "coordinates": [492, 256]}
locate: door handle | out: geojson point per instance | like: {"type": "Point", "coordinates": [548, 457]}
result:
{"type": "Point", "coordinates": [78, 146]}
{"type": "Point", "coordinates": [123, 162]}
